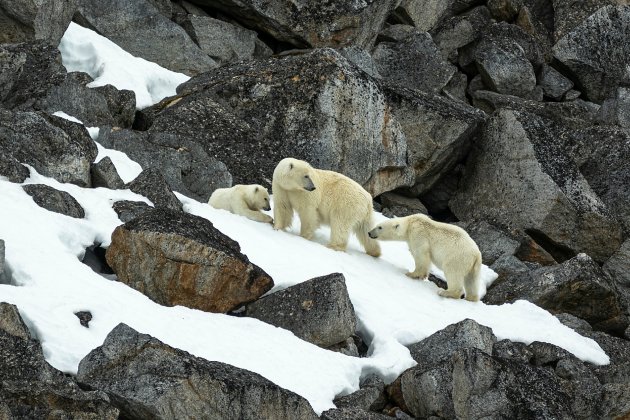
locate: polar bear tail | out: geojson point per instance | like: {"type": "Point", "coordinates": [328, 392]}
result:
{"type": "Point", "coordinates": [471, 281]}
{"type": "Point", "coordinates": [371, 246]}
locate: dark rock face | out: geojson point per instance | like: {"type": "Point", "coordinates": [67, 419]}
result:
{"type": "Point", "coordinates": [429, 14]}
{"type": "Point", "coordinates": [121, 104]}
{"type": "Point", "coordinates": [616, 110]}
{"type": "Point", "coordinates": [13, 170]}
{"type": "Point", "coordinates": [352, 414]}
{"type": "Point", "coordinates": [55, 200]}
{"type": "Point", "coordinates": [371, 396]}
{"type": "Point", "coordinates": [618, 265]}
{"type": "Point", "coordinates": [127, 210]}
{"type": "Point", "coordinates": [553, 83]}
{"type": "Point", "coordinates": [318, 310]}
{"type": "Point", "coordinates": [28, 20]}
{"type": "Point", "coordinates": [568, 14]}
{"type": "Point", "coordinates": [521, 158]}
{"type": "Point", "coordinates": [460, 31]}
{"type": "Point", "coordinates": [141, 30]}
{"type": "Point", "coordinates": [180, 259]}
{"type": "Point", "coordinates": [31, 388]}
{"type": "Point", "coordinates": [153, 186]}
{"type": "Point", "coordinates": [396, 205]}
{"type": "Point", "coordinates": [362, 59]}
{"type": "Point", "coordinates": [183, 162]}
{"type": "Point", "coordinates": [104, 174]}
{"type": "Point", "coordinates": [146, 378]}
{"type": "Point", "coordinates": [597, 52]}
{"type": "Point", "coordinates": [4, 275]}
{"type": "Point", "coordinates": [492, 241]}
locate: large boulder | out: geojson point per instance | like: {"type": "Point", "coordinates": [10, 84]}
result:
{"type": "Point", "coordinates": [521, 175]}
{"type": "Point", "coordinates": [616, 110]}
{"type": "Point", "coordinates": [29, 20]}
{"type": "Point", "coordinates": [31, 388]}
{"type": "Point", "coordinates": [318, 310]}
{"type": "Point", "coordinates": [426, 15]}
{"type": "Point", "coordinates": [179, 259]}
{"type": "Point", "coordinates": [53, 146]}
{"type": "Point", "coordinates": [618, 265]}
{"type": "Point", "coordinates": [146, 378]}
{"type": "Point", "coordinates": [570, 13]}
{"type": "Point", "coordinates": [461, 30]}
{"type": "Point", "coordinates": [13, 170]}
{"type": "Point", "coordinates": [597, 52]}
{"type": "Point", "coordinates": [337, 23]}
{"type": "Point", "coordinates": [151, 183]}
{"type": "Point", "coordinates": [251, 115]}
{"type": "Point", "coordinates": [54, 200]}
{"type": "Point", "coordinates": [370, 397]}
{"type": "Point", "coordinates": [139, 28]}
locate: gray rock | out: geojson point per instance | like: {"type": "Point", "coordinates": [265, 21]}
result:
{"type": "Point", "coordinates": [31, 388]}
{"type": "Point", "coordinates": [572, 95]}
{"type": "Point", "coordinates": [583, 386]}
{"type": "Point", "coordinates": [148, 379]}
{"type": "Point", "coordinates": [165, 7]}
{"type": "Point", "coordinates": [338, 23]}
{"type": "Point", "coordinates": [521, 158]}
{"type": "Point", "coordinates": [546, 354]}
{"type": "Point", "coordinates": [179, 259]}
{"type": "Point", "coordinates": [436, 199]}
{"type": "Point", "coordinates": [618, 265]}
{"type": "Point", "coordinates": [396, 205]}
{"type": "Point", "coordinates": [509, 267]}
{"type": "Point", "coordinates": [192, 8]}
{"type": "Point", "coordinates": [396, 33]}
{"type": "Point", "coordinates": [506, 349]}
{"type": "Point", "coordinates": [54, 147]}
{"type": "Point", "coordinates": [461, 30]}
{"type": "Point", "coordinates": [104, 174]}
{"type": "Point", "coordinates": [55, 200]}
{"type": "Point", "coordinates": [84, 318]}
{"type": "Point", "coordinates": [370, 397]}
{"type": "Point", "coordinates": [352, 414]}
{"type": "Point", "coordinates": [347, 347]}
{"type": "Point", "coordinates": [318, 310]}
{"type": "Point", "coordinates": [251, 115]}
{"type": "Point", "coordinates": [568, 14]}
{"type": "Point", "coordinates": [140, 29]}
{"type": "Point", "coordinates": [13, 170]}
{"type": "Point", "coordinates": [504, 10]}
{"type": "Point", "coordinates": [28, 20]}
{"type": "Point", "coordinates": [536, 18]}
{"type": "Point", "coordinates": [5, 277]}
{"type": "Point", "coordinates": [182, 161]}
{"type": "Point", "coordinates": [615, 402]}
{"type": "Point", "coordinates": [553, 83]}
{"type": "Point", "coordinates": [491, 240]}
{"type": "Point", "coordinates": [128, 210]}
{"type": "Point", "coordinates": [578, 287]}
{"type": "Point", "coordinates": [428, 14]}
{"type": "Point", "coordinates": [151, 184]}
{"type": "Point", "coordinates": [362, 59]}
{"type": "Point", "coordinates": [414, 63]}
{"type": "Point", "coordinates": [456, 87]}
{"type": "Point", "coordinates": [616, 110]}
{"type": "Point", "coordinates": [597, 52]}
{"type": "Point", "coordinates": [574, 322]}
{"type": "Point", "coordinates": [121, 104]}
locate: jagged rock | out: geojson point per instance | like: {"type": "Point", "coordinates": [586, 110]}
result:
{"type": "Point", "coordinates": [179, 259]}
{"type": "Point", "coordinates": [456, 87]}
{"type": "Point", "coordinates": [396, 33]}
{"type": "Point", "coordinates": [31, 388]}
{"type": "Point", "coordinates": [553, 83]}
{"type": "Point", "coordinates": [428, 14]}
{"type": "Point", "coordinates": [347, 347]}
{"type": "Point", "coordinates": [536, 18]}
{"type": "Point", "coordinates": [492, 241]}
{"type": "Point", "coordinates": [574, 322]}
{"type": "Point", "coordinates": [521, 158]}
{"type": "Point", "coordinates": [530, 251]}
{"type": "Point", "coordinates": [13, 170]}
{"type": "Point", "coordinates": [318, 310]}
{"type": "Point", "coordinates": [338, 23]}
{"type": "Point", "coordinates": [121, 104]}
{"type": "Point", "coordinates": [183, 162]}
{"type": "Point", "coordinates": [578, 287]}
{"type": "Point", "coordinates": [506, 349]}
{"type": "Point", "coordinates": [251, 115]}
{"type": "Point", "coordinates": [509, 267]}
{"type": "Point", "coordinates": [570, 13]}
{"type": "Point", "coordinates": [37, 140]}
{"type": "Point", "coordinates": [415, 63]}
{"type": "Point", "coordinates": [461, 30]}
{"type": "Point", "coordinates": [597, 52]}
{"type": "Point", "coordinates": [140, 29]}
{"type": "Point", "coordinates": [165, 7]}
{"type": "Point", "coordinates": [370, 397]}
{"type": "Point", "coordinates": [572, 95]}
{"type": "Point", "coordinates": [104, 174]}
{"type": "Point", "coordinates": [618, 265]}
{"type": "Point", "coordinates": [128, 210]}
{"type": "Point", "coordinates": [28, 20]}
{"type": "Point", "coordinates": [504, 10]}
{"type": "Point", "coordinates": [84, 318]}
{"type": "Point", "coordinates": [151, 184]}
{"type": "Point", "coordinates": [352, 414]}
{"type": "Point", "coordinates": [148, 379]}
{"type": "Point", "coordinates": [616, 111]}
{"type": "Point", "coordinates": [396, 205]}
{"type": "Point", "coordinates": [362, 59]}
{"type": "Point", "coordinates": [55, 200]}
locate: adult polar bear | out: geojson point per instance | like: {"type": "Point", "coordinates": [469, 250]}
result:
{"type": "Point", "coordinates": [449, 247]}
{"type": "Point", "coordinates": [244, 200]}
{"type": "Point", "coordinates": [322, 197]}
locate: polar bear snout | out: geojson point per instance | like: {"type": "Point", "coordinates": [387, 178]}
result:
{"type": "Point", "coordinates": [267, 207]}
{"type": "Point", "coordinates": [373, 234]}
{"type": "Point", "coordinates": [308, 183]}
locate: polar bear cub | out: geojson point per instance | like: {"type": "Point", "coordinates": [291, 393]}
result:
{"type": "Point", "coordinates": [244, 200]}
{"type": "Point", "coordinates": [448, 247]}
{"type": "Point", "coordinates": [322, 197]}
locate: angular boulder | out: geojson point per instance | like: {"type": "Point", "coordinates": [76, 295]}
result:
{"type": "Point", "coordinates": [317, 310]}
{"type": "Point", "coordinates": [179, 259]}
{"type": "Point", "coordinates": [426, 15]}
{"type": "Point", "coordinates": [370, 397]}
{"type": "Point", "coordinates": [104, 174]}
{"type": "Point", "coordinates": [146, 378]}
{"type": "Point", "coordinates": [352, 414]}
{"type": "Point", "coordinates": [13, 170]}
{"type": "Point", "coordinates": [491, 240]}
{"type": "Point", "coordinates": [28, 20]}
{"type": "Point", "coordinates": [54, 200]}
{"type": "Point", "coordinates": [553, 83]}
{"type": "Point", "coordinates": [618, 265]}
{"type": "Point", "coordinates": [616, 110]}
{"type": "Point", "coordinates": [570, 13]}
{"type": "Point", "coordinates": [127, 210]}
{"type": "Point", "coordinates": [151, 184]}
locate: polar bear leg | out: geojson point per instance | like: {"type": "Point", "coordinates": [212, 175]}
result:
{"type": "Point", "coordinates": [339, 234]}
{"type": "Point", "coordinates": [371, 246]}
{"type": "Point", "coordinates": [257, 216]}
{"type": "Point", "coordinates": [471, 282]}
{"type": "Point", "coordinates": [309, 222]}
{"type": "Point", "coordinates": [422, 258]}
{"type": "Point", "coordinates": [454, 281]}
{"type": "Point", "coordinates": [282, 210]}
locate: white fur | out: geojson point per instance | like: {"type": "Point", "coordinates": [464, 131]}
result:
{"type": "Point", "coordinates": [244, 200]}
{"type": "Point", "coordinates": [336, 201]}
{"type": "Point", "coordinates": [448, 247]}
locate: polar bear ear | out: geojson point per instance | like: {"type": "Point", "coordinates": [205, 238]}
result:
{"type": "Point", "coordinates": [256, 189]}
{"type": "Point", "coordinates": [396, 227]}
{"type": "Point", "coordinates": [290, 166]}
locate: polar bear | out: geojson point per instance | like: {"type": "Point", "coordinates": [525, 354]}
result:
{"type": "Point", "coordinates": [448, 247]}
{"type": "Point", "coordinates": [322, 197]}
{"type": "Point", "coordinates": [244, 200]}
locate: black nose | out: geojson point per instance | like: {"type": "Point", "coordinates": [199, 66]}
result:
{"type": "Point", "coordinates": [371, 235]}
{"type": "Point", "coordinates": [267, 208]}
{"type": "Point", "coordinates": [309, 188]}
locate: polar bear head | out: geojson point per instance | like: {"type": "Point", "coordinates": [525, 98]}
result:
{"type": "Point", "coordinates": [390, 230]}
{"type": "Point", "coordinates": [294, 174]}
{"type": "Point", "coordinates": [257, 197]}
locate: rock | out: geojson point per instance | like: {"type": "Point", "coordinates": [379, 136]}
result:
{"type": "Point", "coordinates": [396, 33]}
{"type": "Point", "coordinates": [438, 347]}
{"type": "Point", "coordinates": [492, 241]}
{"type": "Point", "coordinates": [582, 385]}
{"type": "Point", "coordinates": [436, 199]}
{"type": "Point", "coordinates": [618, 265]}
{"type": "Point", "coordinates": [338, 23]}
{"type": "Point", "coordinates": [104, 174]}
{"type": "Point", "coordinates": [362, 59]}
{"type": "Point", "coordinates": [54, 200]}
{"type": "Point", "coordinates": [546, 354]}
{"type": "Point", "coordinates": [504, 10]}
{"type": "Point", "coordinates": [251, 115]}
{"type": "Point", "coordinates": [318, 310]}
{"type": "Point", "coordinates": [179, 259]}
{"type": "Point", "coordinates": [31, 388]}
{"type": "Point", "coordinates": [13, 170]}
{"type": "Point", "coordinates": [37, 139]}
{"type": "Point", "coordinates": [460, 30]}
{"type": "Point", "coordinates": [578, 287]}
{"type": "Point", "coordinates": [121, 104]}
{"type": "Point", "coordinates": [153, 186]}
{"type": "Point", "coordinates": [5, 276]}
{"type": "Point", "coordinates": [530, 251]}
{"type": "Point", "coordinates": [615, 402]}
{"type": "Point", "coordinates": [347, 347]}
{"type": "Point", "coordinates": [506, 349]}
{"type": "Point", "coordinates": [428, 14]}
{"type": "Point", "coordinates": [84, 318]}
{"type": "Point", "coordinates": [140, 29]}
{"type": "Point", "coordinates": [456, 88]}
{"type": "Point", "coordinates": [165, 7]}
{"type": "Point", "coordinates": [536, 18]}
{"type": "Point", "coordinates": [182, 161]}
{"type": "Point", "coordinates": [553, 83]}
{"type": "Point", "coordinates": [597, 52]}
{"type": "Point", "coordinates": [574, 322]}
{"type": "Point", "coordinates": [415, 63]}
{"type": "Point", "coordinates": [509, 267]}
{"type": "Point", "coordinates": [572, 95]}
{"type": "Point", "coordinates": [371, 396]}
{"type": "Point", "coordinates": [396, 205]}
{"type": "Point", "coordinates": [128, 210]}
{"type": "Point", "coordinates": [28, 20]}
{"type": "Point", "coordinates": [568, 14]}
{"type": "Point", "coordinates": [616, 111]}
{"type": "Point", "coordinates": [351, 414]}
{"type": "Point", "coordinates": [149, 379]}
{"type": "Point", "coordinates": [522, 158]}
